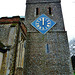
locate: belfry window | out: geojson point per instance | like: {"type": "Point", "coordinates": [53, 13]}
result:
{"type": "Point", "coordinates": [37, 11]}
{"type": "Point", "coordinates": [49, 10]}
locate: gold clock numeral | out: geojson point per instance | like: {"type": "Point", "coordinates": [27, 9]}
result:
{"type": "Point", "coordinates": [48, 20]}
{"type": "Point", "coordinates": [40, 19]}
{"type": "Point", "coordinates": [43, 21]}
{"type": "Point", "coordinates": [43, 28]}
{"type": "Point", "coordinates": [38, 25]}
{"type": "Point", "coordinates": [48, 25]}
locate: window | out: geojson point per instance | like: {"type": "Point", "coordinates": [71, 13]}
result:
{"type": "Point", "coordinates": [36, 11]}
{"type": "Point", "coordinates": [25, 44]}
{"type": "Point", "coordinates": [20, 54]}
{"type": "Point", "coordinates": [49, 10]}
{"type": "Point", "coordinates": [73, 62]}
{"type": "Point", "coordinates": [1, 57]}
{"type": "Point", "coordinates": [47, 48]}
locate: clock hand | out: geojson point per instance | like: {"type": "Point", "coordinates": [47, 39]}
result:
{"type": "Point", "coordinates": [43, 21]}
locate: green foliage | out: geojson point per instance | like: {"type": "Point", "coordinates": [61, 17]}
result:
{"type": "Point", "coordinates": [74, 73]}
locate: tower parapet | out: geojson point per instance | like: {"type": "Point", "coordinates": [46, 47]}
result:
{"type": "Point", "coordinates": [38, 1]}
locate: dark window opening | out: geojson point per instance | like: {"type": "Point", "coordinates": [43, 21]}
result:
{"type": "Point", "coordinates": [50, 10]}
{"type": "Point", "coordinates": [73, 62]}
{"type": "Point", "coordinates": [37, 11]}
{"type": "Point", "coordinates": [47, 48]}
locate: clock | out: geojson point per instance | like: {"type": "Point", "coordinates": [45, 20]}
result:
{"type": "Point", "coordinates": [43, 24]}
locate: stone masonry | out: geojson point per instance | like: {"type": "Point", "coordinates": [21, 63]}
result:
{"type": "Point", "coordinates": [37, 60]}
{"type": "Point", "coordinates": [10, 29]}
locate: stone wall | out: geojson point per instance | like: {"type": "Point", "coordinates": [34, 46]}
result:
{"type": "Point", "coordinates": [9, 35]}
{"type": "Point", "coordinates": [19, 67]}
{"type": "Point", "coordinates": [4, 33]}
{"type": "Point", "coordinates": [46, 54]}
{"type": "Point", "coordinates": [56, 15]}
{"type": "Point", "coordinates": [39, 62]}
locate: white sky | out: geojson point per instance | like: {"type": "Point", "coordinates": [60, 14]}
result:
{"type": "Point", "coordinates": [17, 7]}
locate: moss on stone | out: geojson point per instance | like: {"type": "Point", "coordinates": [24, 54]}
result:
{"type": "Point", "coordinates": [13, 24]}
{"type": "Point", "coordinates": [43, 37]}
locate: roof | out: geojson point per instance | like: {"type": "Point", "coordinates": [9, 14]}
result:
{"type": "Point", "coordinates": [24, 29]}
{"type": "Point", "coordinates": [14, 20]}
{"type": "Point", "coordinates": [7, 20]}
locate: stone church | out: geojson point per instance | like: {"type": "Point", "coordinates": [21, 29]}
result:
{"type": "Point", "coordinates": [12, 44]}
{"type": "Point", "coordinates": [37, 45]}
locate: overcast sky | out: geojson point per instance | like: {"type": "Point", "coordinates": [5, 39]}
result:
{"type": "Point", "coordinates": [17, 7]}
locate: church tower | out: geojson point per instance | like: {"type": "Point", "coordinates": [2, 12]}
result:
{"type": "Point", "coordinates": [47, 50]}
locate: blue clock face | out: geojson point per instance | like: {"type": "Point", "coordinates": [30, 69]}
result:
{"type": "Point", "coordinates": [43, 24]}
